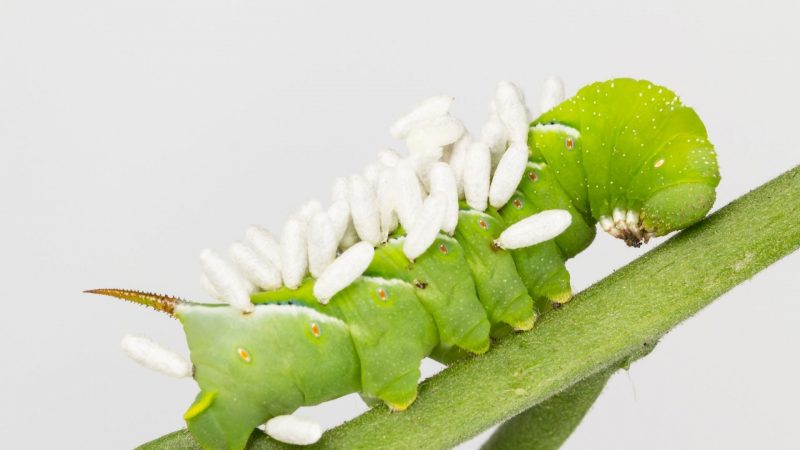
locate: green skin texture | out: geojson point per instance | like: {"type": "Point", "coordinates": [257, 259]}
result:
{"type": "Point", "coordinates": [293, 351]}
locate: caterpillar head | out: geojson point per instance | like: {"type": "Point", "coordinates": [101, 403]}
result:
{"type": "Point", "coordinates": [640, 163]}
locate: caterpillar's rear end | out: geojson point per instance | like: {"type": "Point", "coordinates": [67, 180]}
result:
{"type": "Point", "coordinates": [483, 255]}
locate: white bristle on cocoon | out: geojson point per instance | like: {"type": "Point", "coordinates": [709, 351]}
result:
{"type": "Point", "coordinates": [261, 241]}
{"type": "Point", "coordinates": [152, 355]}
{"type": "Point", "coordinates": [232, 288]}
{"type": "Point", "coordinates": [443, 181]}
{"type": "Point", "coordinates": [535, 229]}
{"type": "Point", "coordinates": [429, 109]}
{"type": "Point", "coordinates": [294, 252]}
{"type": "Point", "coordinates": [364, 209]}
{"type": "Point", "coordinates": [344, 270]}
{"type": "Point", "coordinates": [426, 226]}
{"type": "Point", "coordinates": [293, 430]}
{"type": "Point", "coordinates": [322, 243]}
{"type": "Point", "coordinates": [510, 104]}
{"type": "Point", "coordinates": [388, 157]}
{"type": "Point", "coordinates": [309, 208]}
{"type": "Point", "coordinates": [552, 94]}
{"type": "Point", "coordinates": [458, 157]}
{"type": "Point", "coordinates": [386, 203]}
{"type": "Point", "coordinates": [477, 169]}
{"type": "Point", "coordinates": [508, 174]}
{"type": "Point", "coordinates": [372, 172]}
{"type": "Point", "coordinates": [256, 269]}
{"type": "Point", "coordinates": [495, 135]}
{"type": "Point", "coordinates": [408, 196]}
{"type": "Point", "coordinates": [209, 288]}
{"type": "Point", "coordinates": [438, 132]}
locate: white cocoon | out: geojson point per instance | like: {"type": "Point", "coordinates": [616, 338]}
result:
{"type": "Point", "coordinates": [458, 156]}
{"type": "Point", "coordinates": [150, 354]}
{"type": "Point", "coordinates": [257, 270]}
{"type": "Point", "coordinates": [343, 271]}
{"type": "Point", "coordinates": [372, 172]}
{"type": "Point", "coordinates": [443, 181]}
{"type": "Point", "coordinates": [494, 135]}
{"type": "Point", "coordinates": [293, 430]}
{"type": "Point", "coordinates": [209, 288]}
{"type": "Point", "coordinates": [339, 213]}
{"type": "Point", "coordinates": [510, 105]}
{"type": "Point", "coordinates": [322, 243]}
{"type": "Point", "coordinates": [364, 209]}
{"type": "Point", "coordinates": [426, 226]}
{"type": "Point", "coordinates": [552, 94]}
{"type": "Point", "coordinates": [409, 193]}
{"type": "Point", "coordinates": [309, 208]}
{"type": "Point", "coordinates": [264, 244]}
{"type": "Point", "coordinates": [477, 167]}
{"type": "Point", "coordinates": [294, 252]}
{"type": "Point", "coordinates": [388, 157]}
{"type": "Point", "coordinates": [232, 288]}
{"type": "Point", "coordinates": [535, 229]}
{"type": "Point", "coordinates": [508, 174]}
{"type": "Point", "coordinates": [429, 109]}
{"type": "Point", "coordinates": [438, 132]}
{"type": "Point", "coordinates": [386, 203]}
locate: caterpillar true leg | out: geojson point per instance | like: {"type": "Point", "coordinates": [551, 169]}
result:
{"type": "Point", "coordinates": [429, 255]}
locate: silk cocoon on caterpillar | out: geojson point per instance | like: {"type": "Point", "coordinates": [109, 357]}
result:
{"type": "Point", "coordinates": [430, 254]}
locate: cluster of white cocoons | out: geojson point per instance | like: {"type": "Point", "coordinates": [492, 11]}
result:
{"type": "Point", "coordinates": [419, 191]}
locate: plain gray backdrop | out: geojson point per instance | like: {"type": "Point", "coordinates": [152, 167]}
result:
{"type": "Point", "coordinates": [133, 134]}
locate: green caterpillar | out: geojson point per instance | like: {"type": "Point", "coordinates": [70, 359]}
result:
{"type": "Point", "coordinates": [624, 153]}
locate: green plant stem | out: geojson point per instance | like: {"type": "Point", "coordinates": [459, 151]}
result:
{"type": "Point", "coordinates": [605, 324]}
{"type": "Point", "coordinates": [547, 425]}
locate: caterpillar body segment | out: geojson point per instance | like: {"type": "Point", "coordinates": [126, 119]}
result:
{"type": "Point", "coordinates": [624, 153]}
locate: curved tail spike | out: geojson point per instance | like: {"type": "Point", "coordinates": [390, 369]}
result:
{"type": "Point", "coordinates": [163, 303]}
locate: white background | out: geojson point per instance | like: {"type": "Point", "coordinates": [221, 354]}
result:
{"type": "Point", "coordinates": [133, 134]}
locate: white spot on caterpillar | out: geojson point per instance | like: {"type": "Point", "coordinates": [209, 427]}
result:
{"type": "Point", "coordinates": [429, 109]}
{"type": "Point", "coordinates": [150, 354]}
{"type": "Point", "coordinates": [436, 133]}
{"type": "Point", "coordinates": [322, 243]}
{"type": "Point", "coordinates": [257, 270]}
{"type": "Point", "coordinates": [458, 157]}
{"type": "Point", "coordinates": [552, 93]}
{"type": "Point", "coordinates": [510, 107]}
{"type": "Point", "coordinates": [443, 181]}
{"type": "Point", "coordinates": [535, 229]}
{"type": "Point", "coordinates": [344, 270]}
{"type": "Point", "coordinates": [232, 288]}
{"type": "Point", "coordinates": [508, 174]}
{"type": "Point", "coordinates": [558, 128]}
{"type": "Point", "coordinates": [364, 209]}
{"type": "Point", "coordinates": [476, 175]}
{"type": "Point", "coordinates": [294, 252]}
{"type": "Point", "coordinates": [293, 430]}
{"type": "Point", "coordinates": [264, 244]}
{"type": "Point", "coordinates": [409, 193]}
{"type": "Point", "coordinates": [426, 226]}
{"type": "Point", "coordinates": [658, 163]}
